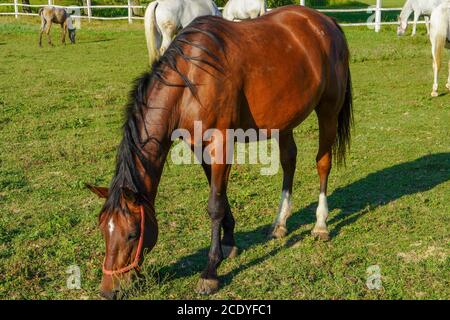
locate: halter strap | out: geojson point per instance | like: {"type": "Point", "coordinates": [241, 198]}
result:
{"type": "Point", "coordinates": [135, 263]}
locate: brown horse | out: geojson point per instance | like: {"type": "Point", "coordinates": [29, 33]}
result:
{"type": "Point", "coordinates": [59, 16]}
{"type": "Point", "coordinates": [270, 73]}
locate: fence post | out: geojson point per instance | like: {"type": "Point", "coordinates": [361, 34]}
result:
{"type": "Point", "coordinates": [302, 2]}
{"type": "Point", "coordinates": [89, 9]}
{"type": "Point", "coordinates": [16, 9]}
{"type": "Point", "coordinates": [50, 2]}
{"type": "Point", "coordinates": [378, 16]}
{"type": "Point", "coordinates": [130, 12]}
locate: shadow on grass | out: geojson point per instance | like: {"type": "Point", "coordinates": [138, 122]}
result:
{"type": "Point", "coordinates": [354, 200]}
{"type": "Point", "coordinates": [98, 40]}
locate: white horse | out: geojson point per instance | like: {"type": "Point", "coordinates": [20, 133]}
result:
{"type": "Point", "coordinates": [244, 9]}
{"type": "Point", "coordinates": [440, 38]}
{"type": "Point", "coordinates": [419, 7]}
{"type": "Point", "coordinates": [164, 18]}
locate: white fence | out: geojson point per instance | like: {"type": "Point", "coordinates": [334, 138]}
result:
{"type": "Point", "coordinates": [374, 20]}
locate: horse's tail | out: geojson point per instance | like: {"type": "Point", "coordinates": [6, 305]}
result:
{"type": "Point", "coordinates": [438, 33]}
{"type": "Point", "coordinates": [151, 32]}
{"type": "Point", "coordinates": [345, 123]}
{"type": "Point", "coordinates": [40, 11]}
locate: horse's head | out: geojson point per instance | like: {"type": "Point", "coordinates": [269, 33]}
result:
{"type": "Point", "coordinates": [72, 34]}
{"type": "Point", "coordinates": [128, 230]}
{"type": "Point", "coordinates": [402, 25]}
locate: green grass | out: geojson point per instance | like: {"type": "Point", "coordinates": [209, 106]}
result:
{"type": "Point", "coordinates": [60, 118]}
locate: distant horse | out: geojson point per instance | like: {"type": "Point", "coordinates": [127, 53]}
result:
{"type": "Point", "coordinates": [419, 7]}
{"type": "Point", "coordinates": [244, 9]}
{"type": "Point", "coordinates": [164, 18]}
{"type": "Point", "coordinates": [60, 16]}
{"type": "Point", "coordinates": [222, 74]}
{"type": "Point", "coordinates": [440, 38]}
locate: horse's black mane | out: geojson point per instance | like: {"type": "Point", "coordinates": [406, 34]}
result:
{"type": "Point", "coordinates": [126, 173]}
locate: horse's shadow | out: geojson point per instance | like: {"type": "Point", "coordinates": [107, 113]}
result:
{"type": "Point", "coordinates": [375, 190]}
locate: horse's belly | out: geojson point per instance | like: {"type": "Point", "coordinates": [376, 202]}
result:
{"type": "Point", "coordinates": [281, 95]}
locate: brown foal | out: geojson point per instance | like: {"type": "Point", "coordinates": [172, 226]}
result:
{"type": "Point", "coordinates": [268, 73]}
{"type": "Point", "coordinates": [59, 16]}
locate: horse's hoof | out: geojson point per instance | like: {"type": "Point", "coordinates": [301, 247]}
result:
{"type": "Point", "coordinates": [207, 286]}
{"type": "Point", "coordinates": [448, 86]}
{"type": "Point", "coordinates": [278, 232]}
{"type": "Point", "coordinates": [321, 234]}
{"type": "Point", "coordinates": [230, 251]}
{"type": "Point", "coordinates": [434, 94]}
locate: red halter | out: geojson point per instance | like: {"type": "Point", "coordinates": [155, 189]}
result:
{"type": "Point", "coordinates": [135, 263]}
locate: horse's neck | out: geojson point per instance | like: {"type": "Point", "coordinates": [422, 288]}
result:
{"type": "Point", "coordinates": [156, 130]}
{"type": "Point", "coordinates": [407, 10]}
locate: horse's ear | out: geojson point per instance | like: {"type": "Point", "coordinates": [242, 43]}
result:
{"type": "Point", "coordinates": [129, 195]}
{"type": "Point", "coordinates": [99, 191]}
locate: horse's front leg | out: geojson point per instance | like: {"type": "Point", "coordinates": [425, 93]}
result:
{"type": "Point", "coordinates": [427, 24]}
{"type": "Point", "coordinates": [416, 19]}
{"type": "Point", "coordinates": [41, 32]}
{"type": "Point", "coordinates": [217, 208]}
{"type": "Point", "coordinates": [229, 248]}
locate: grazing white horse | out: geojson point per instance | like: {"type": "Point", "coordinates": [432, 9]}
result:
{"type": "Point", "coordinates": [164, 18]}
{"type": "Point", "coordinates": [419, 7]}
{"type": "Point", "coordinates": [244, 9]}
{"type": "Point", "coordinates": [440, 38]}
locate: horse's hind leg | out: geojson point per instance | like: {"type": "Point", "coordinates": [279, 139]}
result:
{"type": "Point", "coordinates": [43, 23]}
{"type": "Point", "coordinates": [327, 137]}
{"type": "Point", "coordinates": [49, 26]}
{"type": "Point", "coordinates": [448, 80]}
{"type": "Point", "coordinates": [288, 159]}
{"type": "Point", "coordinates": [416, 19]}
{"type": "Point", "coordinates": [436, 50]}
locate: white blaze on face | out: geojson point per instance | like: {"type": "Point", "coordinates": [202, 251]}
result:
{"type": "Point", "coordinates": [111, 226]}
{"type": "Point", "coordinates": [284, 210]}
{"type": "Point", "coordinates": [322, 211]}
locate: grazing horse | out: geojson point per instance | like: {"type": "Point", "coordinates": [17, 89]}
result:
{"type": "Point", "coordinates": [222, 74]}
{"type": "Point", "coordinates": [440, 39]}
{"type": "Point", "coordinates": [419, 7]}
{"type": "Point", "coordinates": [60, 16]}
{"type": "Point", "coordinates": [244, 9]}
{"type": "Point", "coordinates": [164, 18]}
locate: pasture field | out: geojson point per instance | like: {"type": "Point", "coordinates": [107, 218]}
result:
{"type": "Point", "coordinates": [60, 118]}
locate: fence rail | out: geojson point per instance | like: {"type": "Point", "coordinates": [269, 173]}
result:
{"type": "Point", "coordinates": [377, 10]}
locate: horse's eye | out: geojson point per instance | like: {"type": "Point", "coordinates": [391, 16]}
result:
{"type": "Point", "coordinates": [133, 236]}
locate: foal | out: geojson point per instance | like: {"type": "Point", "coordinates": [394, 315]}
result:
{"type": "Point", "coordinates": [51, 15]}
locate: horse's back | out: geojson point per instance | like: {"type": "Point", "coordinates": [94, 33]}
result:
{"type": "Point", "coordinates": [185, 10]}
{"type": "Point", "coordinates": [293, 57]}
{"type": "Point", "coordinates": [275, 69]}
